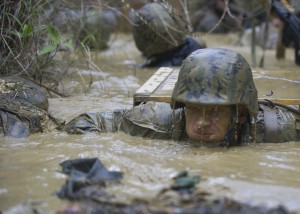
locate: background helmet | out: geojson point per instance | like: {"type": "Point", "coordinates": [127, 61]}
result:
{"type": "Point", "coordinates": [156, 30]}
{"type": "Point", "coordinates": [215, 76]}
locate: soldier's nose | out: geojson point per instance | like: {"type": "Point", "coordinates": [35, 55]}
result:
{"type": "Point", "coordinates": [202, 122]}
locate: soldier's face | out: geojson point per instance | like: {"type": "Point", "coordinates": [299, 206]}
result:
{"type": "Point", "coordinates": [207, 122]}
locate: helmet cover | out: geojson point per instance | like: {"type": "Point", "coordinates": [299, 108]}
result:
{"type": "Point", "coordinates": [215, 76]}
{"type": "Point", "coordinates": [156, 30]}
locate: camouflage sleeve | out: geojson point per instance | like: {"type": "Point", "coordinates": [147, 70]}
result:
{"type": "Point", "coordinates": [151, 120]}
{"type": "Point", "coordinates": [94, 122]}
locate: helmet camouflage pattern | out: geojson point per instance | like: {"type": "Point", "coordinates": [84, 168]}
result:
{"type": "Point", "coordinates": [215, 76]}
{"type": "Point", "coordinates": [156, 30]}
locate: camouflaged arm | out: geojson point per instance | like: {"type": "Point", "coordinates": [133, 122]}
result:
{"type": "Point", "coordinates": [151, 120]}
{"type": "Point", "coordinates": [101, 122]}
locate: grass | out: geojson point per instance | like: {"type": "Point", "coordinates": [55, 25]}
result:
{"type": "Point", "coordinates": [34, 45]}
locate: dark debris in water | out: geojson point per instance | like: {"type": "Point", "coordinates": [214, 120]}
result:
{"type": "Point", "coordinates": [87, 177]}
{"type": "Point", "coordinates": [86, 188]}
{"type": "Point", "coordinates": [182, 181]}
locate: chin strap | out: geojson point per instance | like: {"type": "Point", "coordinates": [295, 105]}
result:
{"type": "Point", "coordinates": [233, 135]}
{"type": "Point", "coordinates": [178, 124]}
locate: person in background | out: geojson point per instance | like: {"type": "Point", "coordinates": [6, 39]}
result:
{"type": "Point", "coordinates": [214, 103]}
{"type": "Point", "coordinates": [290, 26]}
{"type": "Point", "coordinates": [218, 17]}
{"type": "Point", "coordinates": [161, 36]}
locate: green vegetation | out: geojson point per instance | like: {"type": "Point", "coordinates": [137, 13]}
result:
{"type": "Point", "coordinates": [29, 42]}
{"type": "Point", "coordinates": [37, 36]}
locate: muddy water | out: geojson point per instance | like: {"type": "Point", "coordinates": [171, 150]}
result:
{"type": "Point", "coordinates": [267, 174]}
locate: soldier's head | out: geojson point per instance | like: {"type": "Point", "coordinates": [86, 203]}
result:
{"type": "Point", "coordinates": [156, 29]}
{"type": "Point", "coordinates": [216, 88]}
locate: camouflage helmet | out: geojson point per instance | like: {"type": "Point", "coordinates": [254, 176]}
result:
{"type": "Point", "coordinates": [215, 76]}
{"type": "Point", "coordinates": [156, 30]}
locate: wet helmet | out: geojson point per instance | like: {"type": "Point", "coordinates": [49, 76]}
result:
{"type": "Point", "coordinates": [156, 30]}
{"type": "Point", "coordinates": [215, 76]}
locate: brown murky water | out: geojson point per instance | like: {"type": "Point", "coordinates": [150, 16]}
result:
{"type": "Point", "coordinates": [266, 174]}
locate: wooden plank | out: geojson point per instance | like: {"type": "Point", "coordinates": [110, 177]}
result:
{"type": "Point", "coordinates": [283, 101]}
{"type": "Point", "coordinates": [158, 81]}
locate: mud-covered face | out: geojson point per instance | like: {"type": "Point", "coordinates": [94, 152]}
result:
{"type": "Point", "coordinates": [207, 122]}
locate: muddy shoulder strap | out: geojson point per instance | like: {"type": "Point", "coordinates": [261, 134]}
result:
{"type": "Point", "coordinates": [271, 124]}
{"type": "Point", "coordinates": [178, 124]}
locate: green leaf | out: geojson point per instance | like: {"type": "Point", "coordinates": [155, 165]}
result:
{"type": "Point", "coordinates": [69, 44]}
{"type": "Point", "coordinates": [53, 34]}
{"type": "Point", "coordinates": [47, 49]}
{"type": "Point", "coordinates": [14, 32]}
{"type": "Point", "coordinates": [17, 34]}
{"type": "Point", "coordinates": [39, 28]}
{"type": "Point", "coordinates": [27, 30]}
